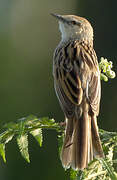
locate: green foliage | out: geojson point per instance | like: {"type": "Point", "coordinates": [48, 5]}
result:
{"type": "Point", "coordinates": [98, 169]}
{"type": "Point", "coordinates": [21, 129]}
{"type": "Point", "coordinates": [37, 134]}
{"type": "Point", "coordinates": [105, 69]}
{"type": "Point", "coordinates": [22, 141]}
{"type": "Point", "coordinates": [2, 152]}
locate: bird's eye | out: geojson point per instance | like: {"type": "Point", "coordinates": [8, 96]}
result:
{"type": "Point", "coordinates": [74, 22]}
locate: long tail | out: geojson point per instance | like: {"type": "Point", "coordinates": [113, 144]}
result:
{"type": "Point", "coordinates": [81, 143]}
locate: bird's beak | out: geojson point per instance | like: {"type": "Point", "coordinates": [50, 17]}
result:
{"type": "Point", "coordinates": [59, 17]}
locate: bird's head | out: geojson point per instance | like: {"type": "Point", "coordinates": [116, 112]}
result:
{"type": "Point", "coordinates": [74, 27]}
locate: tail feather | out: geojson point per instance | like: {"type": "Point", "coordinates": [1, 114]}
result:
{"type": "Point", "coordinates": [81, 143]}
{"type": "Point", "coordinates": [89, 145]}
{"type": "Point", "coordinates": [66, 149]}
{"type": "Point", "coordinates": [97, 148]}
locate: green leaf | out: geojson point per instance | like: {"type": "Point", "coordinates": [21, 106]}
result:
{"type": "Point", "coordinates": [6, 136]}
{"type": "Point", "coordinates": [9, 138]}
{"type": "Point", "coordinates": [73, 174]}
{"type": "Point", "coordinates": [22, 141]}
{"type": "Point", "coordinates": [37, 134]}
{"type": "Point", "coordinates": [2, 152]}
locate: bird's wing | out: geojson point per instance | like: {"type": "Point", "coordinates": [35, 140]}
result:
{"type": "Point", "coordinates": [74, 74]}
{"type": "Point", "coordinates": [92, 77]}
{"type": "Point", "coordinates": [94, 92]}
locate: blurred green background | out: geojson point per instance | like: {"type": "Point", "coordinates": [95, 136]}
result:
{"type": "Point", "coordinates": [28, 37]}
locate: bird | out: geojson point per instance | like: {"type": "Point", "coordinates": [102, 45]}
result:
{"type": "Point", "coordinates": [78, 89]}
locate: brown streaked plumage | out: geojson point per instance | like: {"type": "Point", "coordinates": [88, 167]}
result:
{"type": "Point", "coordinates": [77, 85]}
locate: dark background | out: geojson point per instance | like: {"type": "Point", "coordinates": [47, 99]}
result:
{"type": "Point", "coordinates": [28, 37]}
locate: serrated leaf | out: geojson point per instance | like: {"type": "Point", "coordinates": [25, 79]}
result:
{"type": "Point", "coordinates": [6, 136]}
{"type": "Point", "coordinates": [9, 138]}
{"type": "Point", "coordinates": [22, 141]}
{"type": "Point", "coordinates": [2, 152]}
{"type": "Point", "coordinates": [37, 134]}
